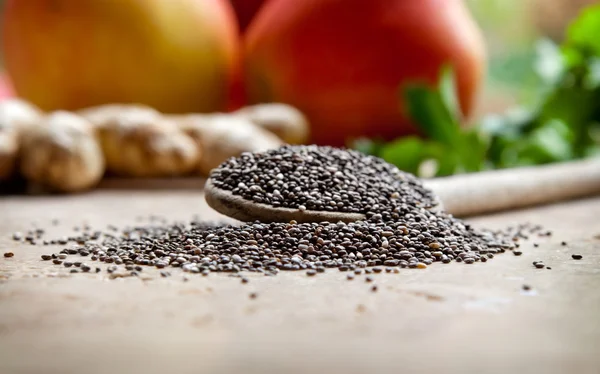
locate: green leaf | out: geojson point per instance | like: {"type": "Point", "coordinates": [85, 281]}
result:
{"type": "Point", "coordinates": [406, 153]}
{"type": "Point", "coordinates": [426, 108]}
{"type": "Point", "coordinates": [550, 62]}
{"type": "Point", "coordinates": [448, 92]}
{"type": "Point", "coordinates": [584, 32]}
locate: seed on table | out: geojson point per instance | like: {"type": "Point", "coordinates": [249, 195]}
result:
{"type": "Point", "coordinates": [245, 280]}
{"type": "Point", "coordinates": [77, 264]}
{"type": "Point", "coordinates": [350, 276]}
{"type": "Point", "coordinates": [8, 254]}
{"type": "Point", "coordinates": [165, 274]}
{"type": "Point", "coordinates": [548, 268]}
{"type": "Point", "coordinates": [46, 257]}
{"type": "Point", "coordinates": [253, 295]}
{"type": "Point", "coordinates": [56, 261]}
{"type": "Point", "coordinates": [368, 279]}
{"type": "Point", "coordinates": [536, 245]}
{"type": "Point", "coordinates": [576, 256]}
{"type": "Point", "coordinates": [396, 270]}
{"type": "Point", "coordinates": [67, 264]}
{"type": "Point", "coordinates": [563, 243]}
{"type": "Point", "coordinates": [311, 272]}
{"type": "Point", "coordinates": [62, 256]}
{"type": "Point", "coordinates": [85, 268]}
{"type": "Point", "coordinates": [111, 269]}
{"type": "Point", "coordinates": [17, 236]}
{"type": "Point", "coordinates": [526, 287]}
{"type": "Point", "coordinates": [400, 229]}
{"type": "Point", "coordinates": [98, 270]}
{"type": "Point", "coordinates": [517, 253]}
{"type": "Point", "coordinates": [374, 288]}
{"type": "Point", "coordinates": [74, 271]}
{"type": "Point", "coordinates": [539, 265]}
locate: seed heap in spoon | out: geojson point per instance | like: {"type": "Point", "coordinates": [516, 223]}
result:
{"type": "Point", "coordinates": [314, 184]}
{"type": "Point", "coordinates": [399, 230]}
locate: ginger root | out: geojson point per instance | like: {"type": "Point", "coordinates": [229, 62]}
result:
{"type": "Point", "coordinates": [104, 114]}
{"type": "Point", "coordinates": [62, 154]}
{"type": "Point", "coordinates": [15, 117]}
{"type": "Point", "coordinates": [221, 136]}
{"type": "Point", "coordinates": [139, 142]}
{"type": "Point", "coordinates": [283, 120]}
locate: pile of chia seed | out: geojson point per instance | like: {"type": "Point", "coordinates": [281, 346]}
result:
{"type": "Point", "coordinates": [401, 229]}
{"type": "Point", "coordinates": [323, 179]}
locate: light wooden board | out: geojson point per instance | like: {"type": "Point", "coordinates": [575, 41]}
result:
{"type": "Point", "coordinates": [452, 318]}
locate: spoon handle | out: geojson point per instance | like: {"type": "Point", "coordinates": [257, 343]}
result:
{"type": "Point", "coordinates": [498, 190]}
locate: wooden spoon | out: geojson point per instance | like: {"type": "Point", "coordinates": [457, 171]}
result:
{"type": "Point", "coordinates": [461, 195]}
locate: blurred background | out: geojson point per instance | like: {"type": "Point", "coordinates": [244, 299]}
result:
{"type": "Point", "coordinates": [511, 28]}
{"type": "Point", "coordinates": [415, 86]}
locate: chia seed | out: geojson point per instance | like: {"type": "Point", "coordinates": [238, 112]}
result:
{"type": "Point", "coordinates": [401, 230]}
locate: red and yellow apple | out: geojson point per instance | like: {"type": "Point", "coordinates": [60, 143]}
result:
{"type": "Point", "coordinates": [175, 55]}
{"type": "Point", "coordinates": [344, 62]}
{"type": "Point", "coordinates": [245, 10]}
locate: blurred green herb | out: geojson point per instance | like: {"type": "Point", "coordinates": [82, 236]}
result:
{"type": "Point", "coordinates": [563, 124]}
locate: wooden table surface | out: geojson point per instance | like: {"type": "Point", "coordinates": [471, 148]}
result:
{"type": "Point", "coordinates": [453, 318]}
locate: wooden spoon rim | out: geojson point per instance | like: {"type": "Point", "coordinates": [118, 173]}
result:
{"type": "Point", "coordinates": [239, 208]}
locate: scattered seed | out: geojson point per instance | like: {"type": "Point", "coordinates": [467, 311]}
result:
{"type": "Point", "coordinates": [368, 279]}
{"type": "Point", "coordinates": [8, 254]}
{"type": "Point", "coordinates": [517, 253]}
{"type": "Point", "coordinates": [17, 236]}
{"type": "Point", "coordinates": [245, 280]}
{"type": "Point", "coordinates": [539, 265]}
{"type": "Point", "coordinates": [374, 288]}
{"type": "Point", "coordinates": [350, 276]}
{"type": "Point", "coordinates": [253, 295]}
{"type": "Point", "coordinates": [563, 243]}
{"type": "Point", "coordinates": [526, 287]}
{"type": "Point", "coordinates": [400, 230]}
{"type": "Point", "coordinates": [46, 257]}
{"type": "Point", "coordinates": [56, 261]}
{"type": "Point", "coordinates": [576, 256]}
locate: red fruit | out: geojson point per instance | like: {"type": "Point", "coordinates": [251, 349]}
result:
{"type": "Point", "coordinates": [245, 10]}
{"type": "Point", "coordinates": [343, 62]}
